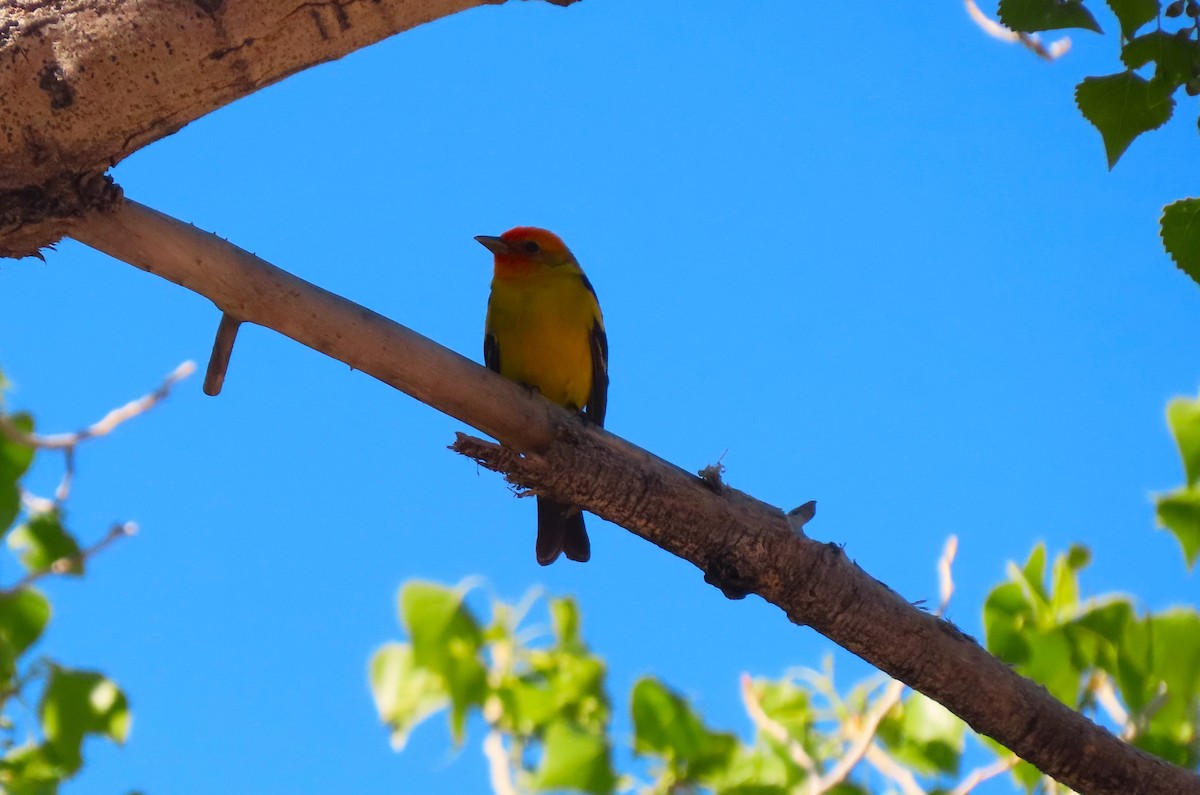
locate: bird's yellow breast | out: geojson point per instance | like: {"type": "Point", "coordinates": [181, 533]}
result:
{"type": "Point", "coordinates": [542, 324]}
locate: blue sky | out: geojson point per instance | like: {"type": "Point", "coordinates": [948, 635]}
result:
{"type": "Point", "coordinates": [872, 258]}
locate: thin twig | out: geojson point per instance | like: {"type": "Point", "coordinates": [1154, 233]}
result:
{"type": "Point", "coordinates": [982, 774]}
{"type": "Point", "coordinates": [882, 761]}
{"type": "Point", "coordinates": [65, 564]}
{"type": "Point", "coordinates": [945, 579]}
{"type": "Point", "coordinates": [773, 729]}
{"type": "Point", "coordinates": [1106, 696]}
{"type": "Point", "coordinates": [68, 477]}
{"type": "Point", "coordinates": [498, 770]}
{"type": "Point", "coordinates": [1056, 50]}
{"type": "Point", "coordinates": [861, 739]}
{"type": "Point", "coordinates": [62, 441]}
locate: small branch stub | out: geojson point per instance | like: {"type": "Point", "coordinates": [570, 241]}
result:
{"type": "Point", "coordinates": [218, 361]}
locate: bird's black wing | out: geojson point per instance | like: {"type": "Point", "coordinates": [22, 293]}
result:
{"type": "Point", "coordinates": [491, 353]}
{"type": "Point", "coordinates": [598, 341]}
{"type": "Point", "coordinates": [598, 399]}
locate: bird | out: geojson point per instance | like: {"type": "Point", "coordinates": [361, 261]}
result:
{"type": "Point", "coordinates": [544, 329]}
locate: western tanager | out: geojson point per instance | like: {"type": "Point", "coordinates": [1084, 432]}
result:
{"type": "Point", "coordinates": [544, 329]}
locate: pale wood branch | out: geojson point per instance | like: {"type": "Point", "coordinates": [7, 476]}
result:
{"type": "Point", "coordinates": [1030, 41]}
{"type": "Point", "coordinates": [102, 426]}
{"type": "Point", "coordinates": [861, 739]}
{"type": "Point", "coordinates": [985, 773]}
{"type": "Point", "coordinates": [882, 761]}
{"type": "Point", "coordinates": [775, 730]}
{"type": "Point", "coordinates": [742, 545]}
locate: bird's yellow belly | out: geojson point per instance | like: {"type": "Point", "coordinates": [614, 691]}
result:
{"type": "Point", "coordinates": [542, 343]}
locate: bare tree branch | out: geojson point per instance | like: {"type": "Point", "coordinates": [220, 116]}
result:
{"type": "Point", "coordinates": [861, 739]}
{"type": "Point", "coordinates": [773, 729]}
{"type": "Point", "coordinates": [499, 773]}
{"type": "Point", "coordinates": [742, 545]}
{"type": "Point", "coordinates": [986, 773]}
{"type": "Point", "coordinates": [103, 426]}
{"type": "Point", "coordinates": [63, 565]}
{"type": "Point", "coordinates": [1032, 42]}
{"type": "Point", "coordinates": [882, 761]}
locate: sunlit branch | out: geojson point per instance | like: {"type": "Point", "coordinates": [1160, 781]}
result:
{"type": "Point", "coordinates": [1106, 696]}
{"type": "Point", "coordinates": [882, 761]}
{"type": "Point", "coordinates": [66, 564]}
{"type": "Point", "coordinates": [1053, 52]}
{"type": "Point", "coordinates": [105, 425]}
{"type": "Point", "coordinates": [945, 576]}
{"type": "Point", "coordinates": [861, 739]}
{"type": "Point", "coordinates": [499, 772]}
{"type": "Point", "coordinates": [773, 729]}
{"type": "Point", "coordinates": [985, 773]}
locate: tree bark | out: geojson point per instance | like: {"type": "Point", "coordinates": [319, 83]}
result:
{"type": "Point", "coordinates": [742, 545]}
{"type": "Point", "coordinates": [87, 82]}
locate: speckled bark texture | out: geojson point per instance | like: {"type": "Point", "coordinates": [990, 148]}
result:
{"type": "Point", "coordinates": [87, 82]}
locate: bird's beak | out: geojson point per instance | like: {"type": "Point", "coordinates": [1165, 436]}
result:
{"type": "Point", "coordinates": [496, 245]}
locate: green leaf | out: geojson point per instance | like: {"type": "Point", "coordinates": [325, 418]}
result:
{"type": "Point", "coordinates": [1050, 663]}
{"type": "Point", "coordinates": [1097, 634]}
{"type": "Point", "coordinates": [76, 704]}
{"type": "Point", "coordinates": [787, 704]}
{"type": "Point", "coordinates": [1122, 107]}
{"type": "Point", "coordinates": [528, 706]}
{"type": "Point", "coordinates": [1180, 231]}
{"type": "Point", "coordinates": [29, 770]}
{"type": "Point", "coordinates": [1183, 417]}
{"type": "Point", "coordinates": [14, 462]}
{"type": "Point", "coordinates": [575, 759]}
{"type": "Point", "coordinates": [1179, 513]}
{"type": "Point", "coordinates": [1174, 58]}
{"type": "Point", "coordinates": [565, 615]}
{"type": "Point", "coordinates": [1034, 573]}
{"type": "Point", "coordinates": [1006, 612]}
{"type": "Point", "coordinates": [447, 640]}
{"type": "Point", "coordinates": [1163, 652]}
{"type": "Point", "coordinates": [664, 725]}
{"type": "Point", "coordinates": [757, 771]}
{"type": "Point", "coordinates": [925, 736]}
{"type": "Point", "coordinates": [42, 541]}
{"type": "Point", "coordinates": [1031, 16]}
{"type": "Point", "coordinates": [1064, 596]}
{"type": "Point", "coordinates": [404, 694]}
{"type": "Point", "coordinates": [24, 613]}
{"type": "Point", "coordinates": [1132, 14]}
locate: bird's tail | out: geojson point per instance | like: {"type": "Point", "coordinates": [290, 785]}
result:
{"type": "Point", "coordinates": [560, 529]}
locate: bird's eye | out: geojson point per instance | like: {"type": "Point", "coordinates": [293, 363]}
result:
{"type": "Point", "coordinates": [532, 248]}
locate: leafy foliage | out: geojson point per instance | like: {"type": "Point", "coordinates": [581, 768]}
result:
{"type": "Point", "coordinates": [1180, 227]}
{"type": "Point", "coordinates": [1028, 16]}
{"type": "Point", "coordinates": [547, 699]}
{"type": "Point", "coordinates": [1179, 511]}
{"type": "Point", "coordinates": [1142, 672]}
{"type": "Point", "coordinates": [42, 749]}
{"type": "Point", "coordinates": [1124, 105]}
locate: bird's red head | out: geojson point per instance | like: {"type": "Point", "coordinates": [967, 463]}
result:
{"type": "Point", "coordinates": [526, 249]}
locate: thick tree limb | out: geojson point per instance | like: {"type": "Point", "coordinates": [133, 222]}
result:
{"type": "Point", "coordinates": [742, 545]}
{"type": "Point", "coordinates": [87, 82]}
